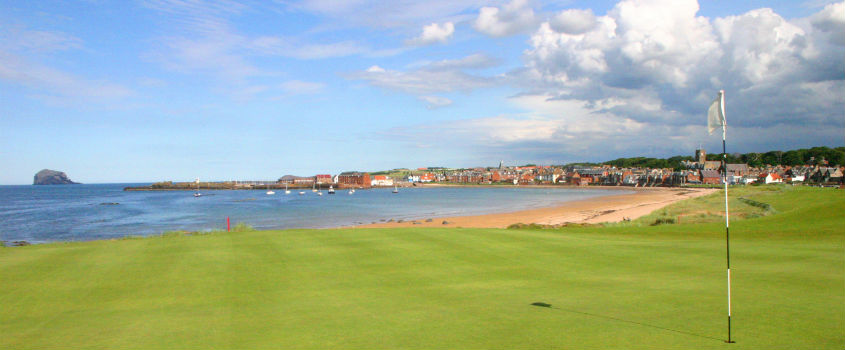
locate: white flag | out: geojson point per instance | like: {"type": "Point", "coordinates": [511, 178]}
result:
{"type": "Point", "coordinates": [716, 113]}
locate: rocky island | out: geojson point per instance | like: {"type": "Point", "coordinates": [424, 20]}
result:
{"type": "Point", "coordinates": [52, 177]}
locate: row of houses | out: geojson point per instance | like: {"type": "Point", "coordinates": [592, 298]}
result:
{"type": "Point", "coordinates": [812, 174]}
{"type": "Point", "coordinates": [736, 174]}
{"type": "Point", "coordinates": [345, 179]}
{"type": "Point", "coordinates": [556, 175]}
{"type": "Point", "coordinates": [701, 171]}
{"type": "Point", "coordinates": [426, 177]}
{"type": "Point", "coordinates": [641, 177]}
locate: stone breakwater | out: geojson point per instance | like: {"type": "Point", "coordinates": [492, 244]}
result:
{"type": "Point", "coordinates": [231, 185]}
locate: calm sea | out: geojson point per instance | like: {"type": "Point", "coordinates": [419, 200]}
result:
{"type": "Point", "coordinates": [40, 214]}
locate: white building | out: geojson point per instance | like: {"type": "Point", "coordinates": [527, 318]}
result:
{"type": "Point", "coordinates": [381, 180]}
{"type": "Point", "coordinates": [770, 178]}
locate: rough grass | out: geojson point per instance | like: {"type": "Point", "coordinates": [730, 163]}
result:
{"type": "Point", "coordinates": [592, 287]}
{"type": "Point", "coordinates": [744, 202]}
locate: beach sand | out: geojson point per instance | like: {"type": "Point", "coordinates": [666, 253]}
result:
{"type": "Point", "coordinates": [613, 208]}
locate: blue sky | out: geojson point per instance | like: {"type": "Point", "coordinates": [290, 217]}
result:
{"type": "Point", "coordinates": [141, 91]}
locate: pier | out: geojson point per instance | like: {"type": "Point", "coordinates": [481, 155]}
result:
{"type": "Point", "coordinates": [230, 185]}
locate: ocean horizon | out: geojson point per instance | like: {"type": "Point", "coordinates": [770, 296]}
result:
{"type": "Point", "coordinates": [59, 213]}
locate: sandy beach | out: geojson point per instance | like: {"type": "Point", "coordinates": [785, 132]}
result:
{"type": "Point", "coordinates": [613, 208]}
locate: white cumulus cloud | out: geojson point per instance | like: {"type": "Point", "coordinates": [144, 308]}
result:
{"type": "Point", "coordinates": [574, 21]}
{"type": "Point", "coordinates": [513, 18]}
{"type": "Point", "coordinates": [831, 20]}
{"type": "Point", "coordinates": [434, 33]}
{"type": "Point", "coordinates": [662, 50]}
{"type": "Point", "coordinates": [638, 80]}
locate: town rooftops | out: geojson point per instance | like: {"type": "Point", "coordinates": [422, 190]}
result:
{"type": "Point", "coordinates": [774, 175]}
{"type": "Point", "coordinates": [712, 164]}
{"type": "Point", "coordinates": [738, 168]}
{"type": "Point", "coordinates": [591, 171]}
{"type": "Point", "coordinates": [707, 173]}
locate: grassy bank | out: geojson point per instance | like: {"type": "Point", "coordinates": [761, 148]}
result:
{"type": "Point", "coordinates": [626, 286]}
{"type": "Point", "coordinates": [745, 202]}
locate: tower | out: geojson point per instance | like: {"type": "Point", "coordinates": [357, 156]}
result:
{"type": "Point", "coordinates": [700, 155]}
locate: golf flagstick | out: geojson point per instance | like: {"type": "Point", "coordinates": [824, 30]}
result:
{"type": "Point", "coordinates": [715, 119]}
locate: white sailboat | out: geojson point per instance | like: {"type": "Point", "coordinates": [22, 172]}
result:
{"type": "Point", "coordinates": [197, 193]}
{"type": "Point", "coordinates": [269, 191]}
{"type": "Point", "coordinates": [395, 189]}
{"type": "Point", "coordinates": [351, 190]}
{"type": "Point", "coordinates": [331, 189]}
{"type": "Point", "coordinates": [286, 189]}
{"type": "Point", "coordinates": [314, 187]}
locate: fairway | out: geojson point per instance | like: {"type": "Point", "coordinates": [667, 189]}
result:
{"type": "Point", "coordinates": [625, 286]}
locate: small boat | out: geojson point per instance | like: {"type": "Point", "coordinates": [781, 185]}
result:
{"type": "Point", "coordinates": [314, 187]}
{"type": "Point", "coordinates": [269, 191]}
{"type": "Point", "coordinates": [331, 189]}
{"type": "Point", "coordinates": [395, 189]}
{"type": "Point", "coordinates": [301, 192]}
{"type": "Point", "coordinates": [197, 193]}
{"type": "Point", "coordinates": [286, 189]}
{"type": "Point", "coordinates": [351, 190]}
{"type": "Point", "coordinates": [319, 193]}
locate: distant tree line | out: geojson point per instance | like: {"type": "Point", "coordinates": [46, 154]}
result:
{"type": "Point", "coordinates": [815, 155]}
{"type": "Point", "coordinates": [654, 163]}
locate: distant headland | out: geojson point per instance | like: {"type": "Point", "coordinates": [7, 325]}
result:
{"type": "Point", "coordinates": [52, 177]}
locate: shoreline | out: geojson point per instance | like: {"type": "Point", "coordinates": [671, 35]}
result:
{"type": "Point", "coordinates": [606, 208]}
{"type": "Point", "coordinates": [611, 208]}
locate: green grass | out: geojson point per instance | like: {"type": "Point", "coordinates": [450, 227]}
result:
{"type": "Point", "coordinates": [744, 202]}
{"type": "Point", "coordinates": [625, 286]}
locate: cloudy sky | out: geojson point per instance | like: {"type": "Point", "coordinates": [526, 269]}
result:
{"type": "Point", "coordinates": [140, 91]}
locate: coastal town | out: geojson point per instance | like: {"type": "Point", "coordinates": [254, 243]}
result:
{"type": "Point", "coordinates": [697, 170]}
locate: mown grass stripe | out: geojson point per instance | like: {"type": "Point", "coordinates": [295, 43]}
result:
{"type": "Point", "coordinates": [623, 286]}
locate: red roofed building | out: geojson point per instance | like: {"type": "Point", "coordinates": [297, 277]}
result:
{"type": "Point", "coordinates": [323, 179]}
{"type": "Point", "coordinates": [769, 178]}
{"type": "Point", "coordinates": [576, 179]}
{"type": "Point", "coordinates": [381, 180]}
{"type": "Point", "coordinates": [354, 179]}
{"type": "Point", "coordinates": [712, 177]}
{"type": "Point", "coordinates": [526, 178]}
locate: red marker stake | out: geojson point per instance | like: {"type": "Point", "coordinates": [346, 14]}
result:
{"type": "Point", "coordinates": [228, 228]}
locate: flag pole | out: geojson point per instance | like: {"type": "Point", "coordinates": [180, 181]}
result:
{"type": "Point", "coordinates": [727, 215]}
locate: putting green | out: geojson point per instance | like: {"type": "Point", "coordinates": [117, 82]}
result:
{"type": "Point", "coordinates": [627, 286]}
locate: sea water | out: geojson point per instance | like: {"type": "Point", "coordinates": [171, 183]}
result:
{"type": "Point", "coordinates": [39, 214]}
